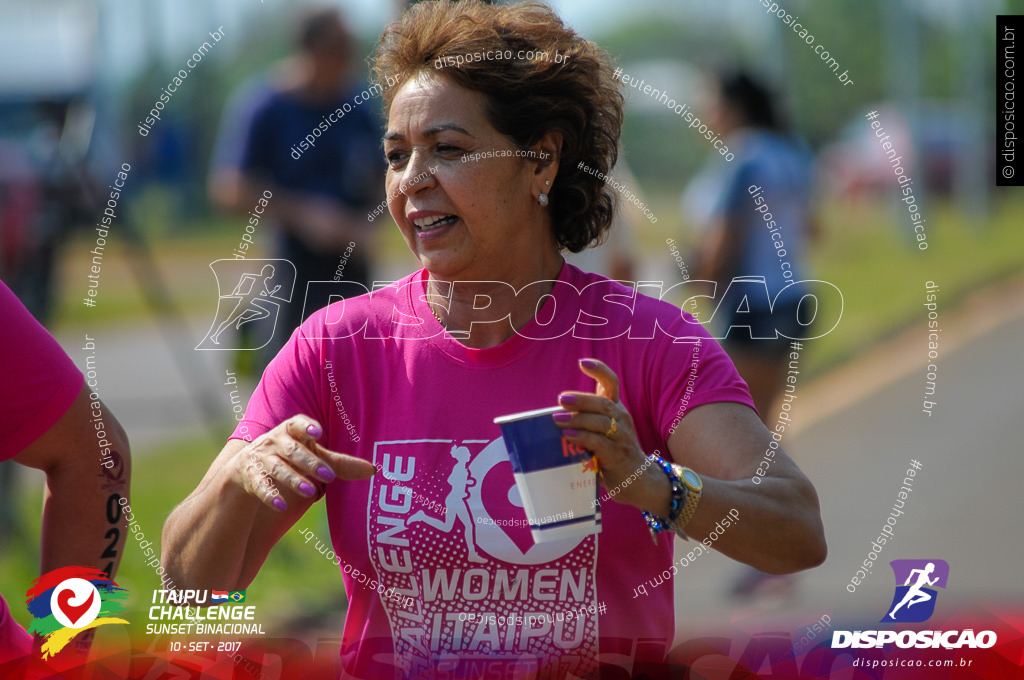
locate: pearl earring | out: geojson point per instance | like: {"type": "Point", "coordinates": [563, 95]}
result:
{"type": "Point", "coordinates": [543, 198]}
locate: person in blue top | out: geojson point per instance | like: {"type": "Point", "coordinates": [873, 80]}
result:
{"type": "Point", "coordinates": [299, 155]}
{"type": "Point", "coordinates": [755, 223]}
{"type": "Point", "coordinates": [755, 220]}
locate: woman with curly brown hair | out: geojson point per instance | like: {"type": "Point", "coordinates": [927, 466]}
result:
{"type": "Point", "coordinates": [499, 131]}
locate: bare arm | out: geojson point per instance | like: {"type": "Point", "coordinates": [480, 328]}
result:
{"type": "Point", "coordinates": [82, 524]}
{"type": "Point", "coordinates": [219, 537]}
{"type": "Point", "coordinates": [81, 515]}
{"type": "Point", "coordinates": [779, 528]}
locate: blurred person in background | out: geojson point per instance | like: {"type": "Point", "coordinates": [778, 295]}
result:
{"type": "Point", "coordinates": [52, 422]}
{"type": "Point", "coordinates": [320, 194]}
{"type": "Point", "coordinates": [44, 190]}
{"type": "Point", "coordinates": [47, 189]}
{"type": "Point", "coordinates": [772, 173]}
{"type": "Point", "coordinates": [411, 379]}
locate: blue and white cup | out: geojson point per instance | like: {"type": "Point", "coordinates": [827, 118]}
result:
{"type": "Point", "coordinates": [557, 480]}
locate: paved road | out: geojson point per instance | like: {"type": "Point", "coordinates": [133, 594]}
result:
{"type": "Point", "coordinates": [139, 378]}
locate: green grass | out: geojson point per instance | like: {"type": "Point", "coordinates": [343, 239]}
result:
{"type": "Point", "coordinates": [180, 264]}
{"type": "Point", "coordinates": [882, 275]}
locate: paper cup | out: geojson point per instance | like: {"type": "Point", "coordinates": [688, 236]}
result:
{"type": "Point", "coordinates": [556, 480]}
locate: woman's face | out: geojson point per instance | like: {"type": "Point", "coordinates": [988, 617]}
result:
{"type": "Point", "coordinates": [476, 220]}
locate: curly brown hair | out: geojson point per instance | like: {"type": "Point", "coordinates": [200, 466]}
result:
{"type": "Point", "coordinates": [526, 98]}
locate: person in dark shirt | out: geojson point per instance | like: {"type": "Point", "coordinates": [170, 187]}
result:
{"type": "Point", "coordinates": [306, 140]}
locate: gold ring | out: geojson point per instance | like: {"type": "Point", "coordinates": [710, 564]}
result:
{"type": "Point", "coordinates": [612, 429]}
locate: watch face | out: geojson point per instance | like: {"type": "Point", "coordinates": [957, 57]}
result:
{"type": "Point", "coordinates": [691, 478]}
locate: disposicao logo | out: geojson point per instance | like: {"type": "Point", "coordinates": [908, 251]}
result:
{"type": "Point", "coordinates": [69, 601]}
{"type": "Point", "coordinates": [914, 602]}
{"type": "Point", "coordinates": [919, 578]}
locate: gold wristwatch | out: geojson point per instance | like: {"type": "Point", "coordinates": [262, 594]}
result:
{"type": "Point", "coordinates": [693, 485]}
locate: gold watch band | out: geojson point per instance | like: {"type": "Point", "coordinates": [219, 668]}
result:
{"type": "Point", "coordinates": [694, 485]}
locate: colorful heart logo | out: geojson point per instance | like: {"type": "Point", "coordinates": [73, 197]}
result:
{"type": "Point", "coordinates": [73, 612]}
{"type": "Point", "coordinates": [75, 603]}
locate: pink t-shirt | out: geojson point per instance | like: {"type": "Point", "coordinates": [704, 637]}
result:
{"type": "Point", "coordinates": [15, 643]}
{"type": "Point", "coordinates": [40, 380]}
{"type": "Point", "coordinates": [441, 581]}
{"type": "Point", "coordinates": [40, 384]}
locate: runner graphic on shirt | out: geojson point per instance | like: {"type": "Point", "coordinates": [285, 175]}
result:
{"type": "Point", "coordinates": [456, 503]}
{"type": "Point", "coordinates": [485, 600]}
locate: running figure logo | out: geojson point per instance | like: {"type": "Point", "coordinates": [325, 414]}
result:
{"type": "Point", "coordinates": [457, 503]}
{"type": "Point", "coordinates": [914, 601]}
{"type": "Point", "coordinates": [258, 288]}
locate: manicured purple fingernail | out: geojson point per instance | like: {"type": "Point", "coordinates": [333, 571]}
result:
{"type": "Point", "coordinates": [280, 504]}
{"type": "Point", "coordinates": [325, 473]}
{"type": "Point", "coordinates": [567, 398]}
{"type": "Point", "coordinates": [588, 363]}
{"type": "Point", "coordinates": [314, 431]}
{"type": "Point", "coordinates": [569, 432]}
{"type": "Point", "coordinates": [307, 489]}
{"type": "Point", "coordinates": [562, 417]}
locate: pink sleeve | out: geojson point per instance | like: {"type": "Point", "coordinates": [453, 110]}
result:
{"type": "Point", "coordinates": [40, 380]}
{"type": "Point", "coordinates": [679, 387]}
{"type": "Point", "coordinates": [15, 643]}
{"type": "Point", "coordinates": [289, 386]}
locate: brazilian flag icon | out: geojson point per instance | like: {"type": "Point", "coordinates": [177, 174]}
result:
{"type": "Point", "coordinates": [237, 596]}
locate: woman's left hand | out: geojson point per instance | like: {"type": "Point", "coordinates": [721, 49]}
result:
{"type": "Point", "coordinates": [600, 423]}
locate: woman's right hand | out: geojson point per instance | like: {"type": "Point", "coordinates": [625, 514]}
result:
{"type": "Point", "coordinates": [288, 458]}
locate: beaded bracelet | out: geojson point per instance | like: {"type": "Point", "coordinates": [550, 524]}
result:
{"type": "Point", "coordinates": [656, 524]}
